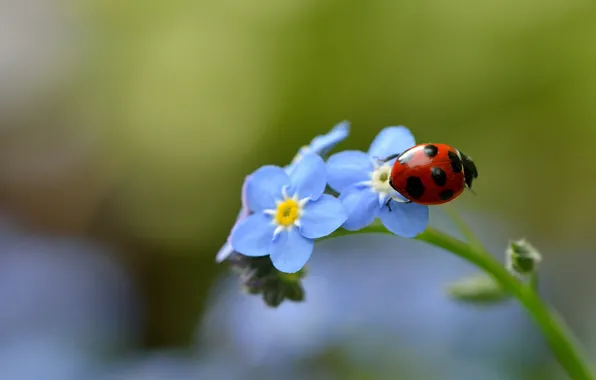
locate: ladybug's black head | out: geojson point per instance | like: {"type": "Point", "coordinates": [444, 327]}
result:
{"type": "Point", "coordinates": [470, 171]}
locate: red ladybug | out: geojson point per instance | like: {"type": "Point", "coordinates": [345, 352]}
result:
{"type": "Point", "coordinates": [431, 174]}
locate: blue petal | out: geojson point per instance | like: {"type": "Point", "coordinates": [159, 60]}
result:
{"type": "Point", "coordinates": [407, 220]}
{"type": "Point", "coordinates": [362, 206]}
{"type": "Point", "coordinates": [391, 140]}
{"type": "Point", "coordinates": [322, 217]}
{"type": "Point", "coordinates": [347, 168]}
{"type": "Point", "coordinates": [224, 252]}
{"type": "Point", "coordinates": [324, 143]}
{"type": "Point", "coordinates": [383, 197]}
{"type": "Point", "coordinates": [253, 235]}
{"type": "Point", "coordinates": [309, 177]}
{"type": "Point", "coordinates": [290, 251]}
{"type": "Point", "coordinates": [290, 167]}
{"type": "Point", "coordinates": [297, 158]}
{"type": "Point", "coordinates": [263, 187]}
{"type": "Point", "coordinates": [243, 199]}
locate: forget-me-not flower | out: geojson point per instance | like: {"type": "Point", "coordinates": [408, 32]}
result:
{"type": "Point", "coordinates": [290, 212]}
{"type": "Point", "coordinates": [319, 145]}
{"type": "Point", "coordinates": [363, 183]}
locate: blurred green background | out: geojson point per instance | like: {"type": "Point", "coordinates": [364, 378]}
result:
{"type": "Point", "coordinates": [134, 123]}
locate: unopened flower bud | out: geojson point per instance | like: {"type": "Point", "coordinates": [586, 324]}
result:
{"type": "Point", "coordinates": [478, 289]}
{"type": "Point", "coordinates": [295, 292]}
{"type": "Point", "coordinates": [274, 295]}
{"type": "Point", "coordinates": [521, 257]}
{"type": "Point", "coordinates": [259, 276]}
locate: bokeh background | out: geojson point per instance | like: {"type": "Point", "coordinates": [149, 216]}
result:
{"type": "Point", "coordinates": [126, 130]}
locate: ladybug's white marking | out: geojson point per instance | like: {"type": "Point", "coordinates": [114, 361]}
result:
{"type": "Point", "coordinates": [463, 169]}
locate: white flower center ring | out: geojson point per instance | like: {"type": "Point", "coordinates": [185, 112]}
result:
{"type": "Point", "coordinates": [380, 179]}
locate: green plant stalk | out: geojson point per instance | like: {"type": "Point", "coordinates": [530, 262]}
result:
{"type": "Point", "coordinates": [559, 337]}
{"type": "Point", "coordinates": [471, 238]}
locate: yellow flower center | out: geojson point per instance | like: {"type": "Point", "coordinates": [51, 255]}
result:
{"type": "Point", "coordinates": [287, 212]}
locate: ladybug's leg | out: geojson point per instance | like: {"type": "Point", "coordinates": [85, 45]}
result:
{"type": "Point", "coordinates": [388, 203]}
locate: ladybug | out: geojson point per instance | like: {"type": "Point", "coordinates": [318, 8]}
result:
{"type": "Point", "coordinates": [431, 174]}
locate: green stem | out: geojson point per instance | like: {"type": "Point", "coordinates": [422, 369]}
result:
{"type": "Point", "coordinates": [534, 281]}
{"type": "Point", "coordinates": [463, 227]}
{"type": "Point", "coordinates": [559, 337]}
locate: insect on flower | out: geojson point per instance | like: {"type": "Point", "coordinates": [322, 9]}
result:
{"type": "Point", "coordinates": [431, 174]}
{"type": "Point", "coordinates": [363, 183]}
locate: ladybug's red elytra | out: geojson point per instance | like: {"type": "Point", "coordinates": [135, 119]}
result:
{"type": "Point", "coordinates": [431, 174]}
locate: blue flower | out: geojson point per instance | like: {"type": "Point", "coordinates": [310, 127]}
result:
{"type": "Point", "coordinates": [290, 212]}
{"type": "Point", "coordinates": [363, 183]}
{"type": "Point", "coordinates": [319, 145]}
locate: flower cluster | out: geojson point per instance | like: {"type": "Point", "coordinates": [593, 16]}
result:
{"type": "Point", "coordinates": [320, 145]}
{"type": "Point", "coordinates": [285, 209]}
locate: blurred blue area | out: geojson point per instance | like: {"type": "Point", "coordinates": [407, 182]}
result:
{"type": "Point", "coordinates": [63, 305]}
{"type": "Point", "coordinates": [37, 357]}
{"type": "Point", "coordinates": [65, 288]}
{"type": "Point", "coordinates": [380, 299]}
{"type": "Point", "coordinates": [375, 303]}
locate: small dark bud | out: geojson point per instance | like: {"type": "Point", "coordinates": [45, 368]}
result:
{"type": "Point", "coordinates": [253, 284]}
{"type": "Point", "coordinates": [259, 276]}
{"type": "Point", "coordinates": [524, 265]}
{"type": "Point", "coordinates": [274, 295]}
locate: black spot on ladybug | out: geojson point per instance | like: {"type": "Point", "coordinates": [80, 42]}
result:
{"type": "Point", "coordinates": [446, 194]}
{"type": "Point", "coordinates": [439, 176]}
{"type": "Point", "coordinates": [405, 157]}
{"type": "Point", "coordinates": [431, 150]}
{"type": "Point", "coordinates": [414, 187]}
{"type": "Point", "coordinates": [456, 165]}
